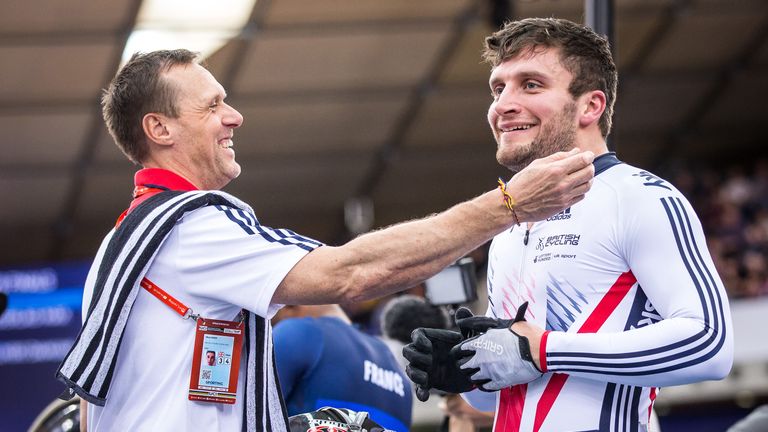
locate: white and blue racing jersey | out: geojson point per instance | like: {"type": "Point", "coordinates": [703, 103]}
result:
{"type": "Point", "coordinates": [628, 292]}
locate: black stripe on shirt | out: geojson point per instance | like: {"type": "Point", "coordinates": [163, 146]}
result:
{"type": "Point", "coordinates": [634, 406]}
{"type": "Point", "coordinates": [606, 412]}
{"type": "Point", "coordinates": [113, 251]}
{"type": "Point", "coordinates": [269, 234]}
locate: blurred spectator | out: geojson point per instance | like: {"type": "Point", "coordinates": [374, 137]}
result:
{"type": "Point", "coordinates": [757, 421]}
{"type": "Point", "coordinates": [464, 418]}
{"type": "Point", "coordinates": [368, 315]}
{"type": "Point", "coordinates": [323, 360]}
{"type": "Point", "coordinates": [402, 314]}
{"type": "Point", "coordinates": [734, 212]}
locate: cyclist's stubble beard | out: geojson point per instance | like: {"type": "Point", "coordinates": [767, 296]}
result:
{"type": "Point", "coordinates": [555, 136]}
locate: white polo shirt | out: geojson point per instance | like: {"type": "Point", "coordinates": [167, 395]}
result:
{"type": "Point", "coordinates": [216, 260]}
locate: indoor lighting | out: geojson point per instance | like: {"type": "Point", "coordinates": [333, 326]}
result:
{"type": "Point", "coordinates": [202, 26]}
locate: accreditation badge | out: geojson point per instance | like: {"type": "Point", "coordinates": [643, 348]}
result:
{"type": "Point", "coordinates": [216, 361]}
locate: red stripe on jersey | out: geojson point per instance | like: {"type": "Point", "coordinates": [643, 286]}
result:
{"type": "Point", "coordinates": [608, 303]}
{"type": "Point", "coordinates": [543, 351]}
{"type": "Point", "coordinates": [511, 401]}
{"type": "Point", "coordinates": [653, 398]}
{"type": "Point", "coordinates": [547, 400]}
{"type": "Point", "coordinates": [592, 324]}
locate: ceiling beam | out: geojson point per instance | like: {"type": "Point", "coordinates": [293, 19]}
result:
{"type": "Point", "coordinates": [418, 95]}
{"type": "Point", "coordinates": [243, 42]}
{"type": "Point", "coordinates": [716, 90]}
{"type": "Point", "coordinates": [57, 38]}
{"type": "Point", "coordinates": [326, 28]}
{"type": "Point", "coordinates": [424, 88]}
{"type": "Point", "coordinates": [664, 25]}
{"type": "Point", "coordinates": [63, 228]}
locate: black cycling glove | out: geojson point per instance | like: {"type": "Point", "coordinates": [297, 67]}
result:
{"type": "Point", "coordinates": [431, 364]}
{"type": "Point", "coordinates": [474, 325]}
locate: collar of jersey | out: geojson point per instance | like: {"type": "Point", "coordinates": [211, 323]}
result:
{"type": "Point", "coordinates": [162, 177]}
{"type": "Point", "coordinates": [605, 161]}
{"type": "Point", "coordinates": [156, 177]}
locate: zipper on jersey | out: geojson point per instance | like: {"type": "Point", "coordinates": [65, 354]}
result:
{"type": "Point", "coordinates": [524, 254]}
{"type": "Point", "coordinates": [528, 227]}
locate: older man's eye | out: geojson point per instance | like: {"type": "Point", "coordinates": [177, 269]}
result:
{"type": "Point", "coordinates": [213, 106]}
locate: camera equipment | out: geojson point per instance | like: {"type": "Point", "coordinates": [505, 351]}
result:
{"type": "Point", "coordinates": [454, 285]}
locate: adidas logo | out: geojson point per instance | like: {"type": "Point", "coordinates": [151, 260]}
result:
{"type": "Point", "coordinates": [565, 214]}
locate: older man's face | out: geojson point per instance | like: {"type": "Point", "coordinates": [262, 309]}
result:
{"type": "Point", "coordinates": [202, 133]}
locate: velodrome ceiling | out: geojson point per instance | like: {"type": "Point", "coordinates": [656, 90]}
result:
{"type": "Point", "coordinates": [345, 98]}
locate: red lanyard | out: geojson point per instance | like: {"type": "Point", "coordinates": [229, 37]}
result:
{"type": "Point", "coordinates": [138, 191]}
{"type": "Point", "coordinates": [168, 299]}
{"type": "Point", "coordinates": [144, 189]}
